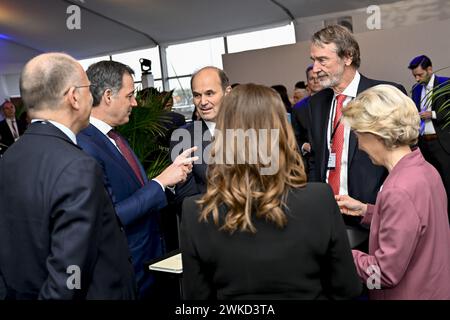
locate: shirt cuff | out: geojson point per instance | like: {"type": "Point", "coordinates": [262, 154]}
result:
{"type": "Point", "coordinates": [433, 114]}
{"type": "Point", "coordinates": [172, 189]}
{"type": "Point", "coordinates": [162, 187]}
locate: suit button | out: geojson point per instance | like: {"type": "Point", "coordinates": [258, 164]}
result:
{"type": "Point", "coordinates": [130, 259]}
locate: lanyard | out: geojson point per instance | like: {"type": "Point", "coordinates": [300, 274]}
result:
{"type": "Point", "coordinates": [334, 130]}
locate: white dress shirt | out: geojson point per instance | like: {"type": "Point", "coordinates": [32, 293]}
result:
{"type": "Point", "coordinates": [104, 128]}
{"type": "Point", "coordinates": [425, 104]}
{"type": "Point", "coordinates": [69, 133]}
{"type": "Point", "coordinates": [12, 124]}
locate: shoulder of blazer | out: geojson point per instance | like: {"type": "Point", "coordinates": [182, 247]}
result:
{"type": "Point", "coordinates": [321, 100]}
{"type": "Point", "coordinates": [366, 83]}
{"type": "Point", "coordinates": [438, 80]}
{"type": "Point", "coordinates": [48, 129]}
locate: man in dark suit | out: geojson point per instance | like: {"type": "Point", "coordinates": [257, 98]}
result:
{"type": "Point", "coordinates": [10, 127]}
{"type": "Point", "coordinates": [335, 156]}
{"type": "Point", "coordinates": [59, 232]}
{"type": "Point", "coordinates": [434, 138]}
{"type": "Point", "coordinates": [136, 200]}
{"type": "Point", "coordinates": [300, 114]}
{"type": "Point", "coordinates": [209, 85]}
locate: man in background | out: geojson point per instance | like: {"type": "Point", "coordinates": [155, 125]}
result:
{"type": "Point", "coordinates": [434, 137]}
{"type": "Point", "coordinates": [10, 128]}
{"type": "Point", "coordinates": [300, 115]}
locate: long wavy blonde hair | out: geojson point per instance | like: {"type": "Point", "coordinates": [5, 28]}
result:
{"type": "Point", "coordinates": [239, 186]}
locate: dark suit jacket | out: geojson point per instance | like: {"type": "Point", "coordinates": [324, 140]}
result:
{"type": "Point", "coordinates": [300, 121]}
{"type": "Point", "coordinates": [197, 134]}
{"type": "Point", "coordinates": [364, 178]}
{"type": "Point", "coordinates": [308, 259]}
{"type": "Point", "coordinates": [137, 206]}
{"type": "Point", "coordinates": [6, 136]}
{"type": "Point", "coordinates": [441, 119]}
{"type": "Point", "coordinates": [55, 213]}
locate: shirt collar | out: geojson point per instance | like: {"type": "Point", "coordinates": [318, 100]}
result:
{"type": "Point", "coordinates": [211, 126]}
{"type": "Point", "coordinates": [100, 125]}
{"type": "Point", "coordinates": [61, 127]}
{"type": "Point", "coordinates": [430, 83]}
{"type": "Point", "coordinates": [352, 89]}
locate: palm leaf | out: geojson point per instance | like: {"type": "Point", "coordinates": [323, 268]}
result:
{"type": "Point", "coordinates": [143, 131]}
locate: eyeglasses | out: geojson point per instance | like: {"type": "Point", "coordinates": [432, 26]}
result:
{"type": "Point", "coordinates": [91, 86]}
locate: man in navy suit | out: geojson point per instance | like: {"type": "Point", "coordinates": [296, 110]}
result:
{"type": "Point", "coordinates": [59, 233]}
{"type": "Point", "coordinates": [335, 157]}
{"type": "Point", "coordinates": [137, 201]}
{"type": "Point", "coordinates": [434, 138]}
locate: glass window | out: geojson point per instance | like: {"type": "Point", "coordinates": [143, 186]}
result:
{"type": "Point", "coordinates": [182, 96]}
{"type": "Point", "coordinates": [132, 59]}
{"type": "Point", "coordinates": [261, 39]}
{"type": "Point", "coordinates": [85, 63]}
{"type": "Point", "coordinates": [184, 59]}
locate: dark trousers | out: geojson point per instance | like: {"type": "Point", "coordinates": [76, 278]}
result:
{"type": "Point", "coordinates": [436, 155]}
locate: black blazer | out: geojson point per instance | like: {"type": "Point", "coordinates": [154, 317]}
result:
{"type": "Point", "coordinates": [308, 259]}
{"type": "Point", "coordinates": [195, 133]}
{"type": "Point", "coordinates": [55, 213]}
{"type": "Point", "coordinates": [364, 178]}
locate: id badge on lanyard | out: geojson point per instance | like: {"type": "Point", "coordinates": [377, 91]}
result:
{"type": "Point", "coordinates": [332, 161]}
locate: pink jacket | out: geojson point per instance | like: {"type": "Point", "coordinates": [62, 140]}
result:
{"type": "Point", "coordinates": [409, 244]}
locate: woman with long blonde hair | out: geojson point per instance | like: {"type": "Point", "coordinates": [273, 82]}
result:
{"type": "Point", "coordinates": [260, 231]}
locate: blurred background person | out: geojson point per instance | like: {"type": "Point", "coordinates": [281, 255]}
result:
{"type": "Point", "coordinates": [11, 128]}
{"type": "Point", "coordinates": [300, 116]}
{"type": "Point", "coordinates": [409, 233]}
{"type": "Point", "coordinates": [268, 236]}
{"type": "Point", "coordinates": [282, 91]}
{"type": "Point", "coordinates": [300, 91]}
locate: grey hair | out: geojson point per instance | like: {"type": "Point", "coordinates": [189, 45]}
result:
{"type": "Point", "coordinates": [106, 75]}
{"type": "Point", "coordinates": [346, 44]}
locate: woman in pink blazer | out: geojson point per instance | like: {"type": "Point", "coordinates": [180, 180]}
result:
{"type": "Point", "coordinates": [409, 244]}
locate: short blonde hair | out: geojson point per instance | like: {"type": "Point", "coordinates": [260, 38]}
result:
{"type": "Point", "coordinates": [387, 112]}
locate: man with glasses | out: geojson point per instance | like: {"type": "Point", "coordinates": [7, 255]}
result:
{"type": "Point", "coordinates": [137, 200]}
{"type": "Point", "coordinates": [58, 229]}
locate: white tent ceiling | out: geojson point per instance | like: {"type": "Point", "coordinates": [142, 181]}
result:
{"type": "Point", "coordinates": [28, 27]}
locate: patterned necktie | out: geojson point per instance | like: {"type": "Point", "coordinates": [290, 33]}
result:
{"type": "Point", "coordinates": [127, 154]}
{"type": "Point", "coordinates": [425, 101]}
{"type": "Point", "coordinates": [337, 144]}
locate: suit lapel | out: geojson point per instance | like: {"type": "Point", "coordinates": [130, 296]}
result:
{"type": "Point", "coordinates": [107, 146]}
{"type": "Point", "coordinates": [321, 111]}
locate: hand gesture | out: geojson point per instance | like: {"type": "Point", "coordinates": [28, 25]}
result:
{"type": "Point", "coordinates": [350, 206]}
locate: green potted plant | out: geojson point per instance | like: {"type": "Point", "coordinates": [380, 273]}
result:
{"type": "Point", "coordinates": [145, 129]}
